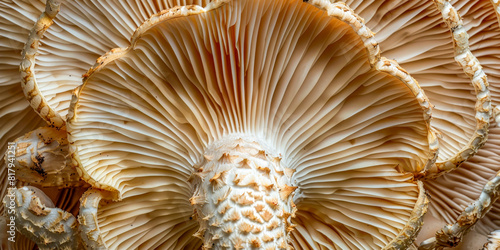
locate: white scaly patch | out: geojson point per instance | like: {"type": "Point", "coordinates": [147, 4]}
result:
{"type": "Point", "coordinates": [242, 196]}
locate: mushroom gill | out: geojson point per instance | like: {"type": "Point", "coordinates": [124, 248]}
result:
{"type": "Point", "coordinates": [415, 34]}
{"type": "Point", "coordinates": [62, 56]}
{"type": "Point", "coordinates": [253, 124]}
{"type": "Point", "coordinates": [50, 73]}
{"type": "Point", "coordinates": [453, 193]}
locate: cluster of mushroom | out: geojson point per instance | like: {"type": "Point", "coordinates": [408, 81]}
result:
{"type": "Point", "coordinates": [250, 124]}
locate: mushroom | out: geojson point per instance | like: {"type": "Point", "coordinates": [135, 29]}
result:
{"type": "Point", "coordinates": [452, 234]}
{"type": "Point", "coordinates": [58, 69]}
{"type": "Point", "coordinates": [49, 95]}
{"type": "Point", "coordinates": [58, 66]}
{"type": "Point", "coordinates": [469, 179]}
{"type": "Point", "coordinates": [16, 117]}
{"type": "Point", "coordinates": [41, 157]}
{"type": "Point", "coordinates": [433, 65]}
{"type": "Point", "coordinates": [277, 126]}
{"type": "Point", "coordinates": [87, 218]}
{"type": "Point", "coordinates": [493, 240]}
{"type": "Point", "coordinates": [62, 200]}
{"type": "Point", "coordinates": [37, 218]}
{"type": "Point", "coordinates": [397, 44]}
{"type": "Point", "coordinates": [415, 34]}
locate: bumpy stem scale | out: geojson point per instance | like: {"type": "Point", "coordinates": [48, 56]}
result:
{"type": "Point", "coordinates": [242, 196]}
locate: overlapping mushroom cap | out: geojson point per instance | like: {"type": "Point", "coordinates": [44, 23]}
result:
{"type": "Point", "coordinates": [415, 34]}
{"type": "Point", "coordinates": [13, 110]}
{"type": "Point", "coordinates": [452, 193]}
{"type": "Point", "coordinates": [61, 59]}
{"type": "Point", "coordinates": [50, 73]}
{"type": "Point", "coordinates": [470, 178]}
{"type": "Point", "coordinates": [55, 55]}
{"type": "Point", "coordinates": [426, 50]}
{"type": "Point", "coordinates": [305, 80]}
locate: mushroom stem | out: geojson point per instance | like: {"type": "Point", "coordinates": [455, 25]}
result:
{"type": "Point", "coordinates": [493, 241]}
{"type": "Point", "coordinates": [87, 217]}
{"type": "Point", "coordinates": [472, 68]}
{"type": "Point", "coordinates": [451, 235]}
{"type": "Point", "coordinates": [242, 196]}
{"type": "Point", "coordinates": [42, 158]}
{"type": "Point", "coordinates": [37, 219]}
{"type": "Point", "coordinates": [27, 67]}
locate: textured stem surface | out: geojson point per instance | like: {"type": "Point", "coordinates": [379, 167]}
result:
{"type": "Point", "coordinates": [451, 235]}
{"type": "Point", "coordinates": [243, 197]}
{"type": "Point", "coordinates": [27, 68]}
{"type": "Point", "coordinates": [42, 158]}
{"type": "Point", "coordinates": [493, 241]}
{"type": "Point", "coordinates": [38, 219]}
{"type": "Point", "coordinates": [472, 68]}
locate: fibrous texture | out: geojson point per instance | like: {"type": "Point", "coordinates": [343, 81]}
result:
{"type": "Point", "coordinates": [473, 70]}
{"type": "Point", "coordinates": [16, 117]}
{"type": "Point", "coordinates": [59, 66]}
{"type": "Point", "coordinates": [467, 181]}
{"type": "Point", "coordinates": [305, 79]}
{"type": "Point", "coordinates": [57, 57]}
{"type": "Point", "coordinates": [28, 80]}
{"type": "Point", "coordinates": [453, 192]}
{"type": "Point", "coordinates": [87, 218]}
{"type": "Point", "coordinates": [414, 34]}
{"type": "Point", "coordinates": [417, 36]}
